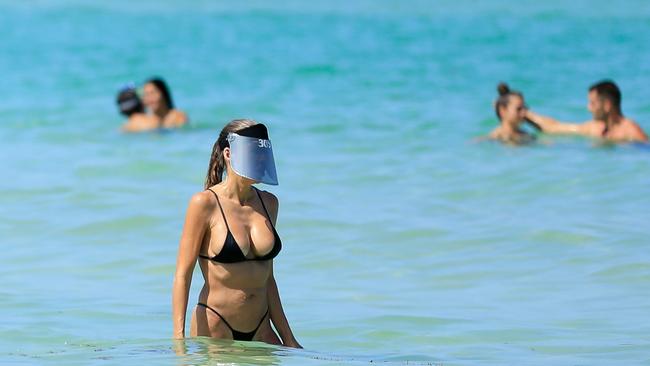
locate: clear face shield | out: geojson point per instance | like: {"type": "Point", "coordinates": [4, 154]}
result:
{"type": "Point", "coordinates": [251, 154]}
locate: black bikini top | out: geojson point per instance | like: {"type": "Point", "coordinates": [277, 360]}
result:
{"type": "Point", "coordinates": [231, 252]}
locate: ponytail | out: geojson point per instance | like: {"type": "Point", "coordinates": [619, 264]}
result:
{"type": "Point", "coordinates": [217, 165]}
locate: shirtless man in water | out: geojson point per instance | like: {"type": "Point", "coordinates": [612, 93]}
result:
{"type": "Point", "coordinates": [608, 122]}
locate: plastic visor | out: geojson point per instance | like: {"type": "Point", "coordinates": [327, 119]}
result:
{"type": "Point", "coordinates": [252, 158]}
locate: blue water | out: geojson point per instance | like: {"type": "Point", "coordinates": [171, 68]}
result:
{"type": "Point", "coordinates": [404, 240]}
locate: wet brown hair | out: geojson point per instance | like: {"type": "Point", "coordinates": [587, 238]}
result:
{"type": "Point", "coordinates": [161, 85]}
{"type": "Point", "coordinates": [607, 89]}
{"type": "Point", "coordinates": [504, 97]}
{"type": "Point", "coordinates": [217, 165]}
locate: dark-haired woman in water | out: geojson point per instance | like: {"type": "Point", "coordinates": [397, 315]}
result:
{"type": "Point", "coordinates": [230, 230]}
{"type": "Point", "coordinates": [158, 100]}
{"type": "Point", "coordinates": [131, 106]}
{"type": "Point", "coordinates": [511, 110]}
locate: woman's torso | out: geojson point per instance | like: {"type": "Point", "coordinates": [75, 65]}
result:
{"type": "Point", "coordinates": [239, 287]}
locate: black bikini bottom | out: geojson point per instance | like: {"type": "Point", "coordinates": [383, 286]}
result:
{"type": "Point", "coordinates": [237, 335]}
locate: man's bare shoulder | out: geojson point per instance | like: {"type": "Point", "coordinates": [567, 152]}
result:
{"type": "Point", "coordinates": [633, 130]}
{"type": "Point", "coordinates": [630, 123]}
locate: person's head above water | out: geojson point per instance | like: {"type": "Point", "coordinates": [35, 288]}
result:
{"type": "Point", "coordinates": [510, 106]}
{"type": "Point", "coordinates": [243, 148]}
{"type": "Point", "coordinates": [604, 99]}
{"type": "Point", "coordinates": [128, 102]}
{"type": "Point", "coordinates": [157, 96]}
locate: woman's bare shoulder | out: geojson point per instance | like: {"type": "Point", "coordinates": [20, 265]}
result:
{"type": "Point", "coordinates": [203, 200]}
{"type": "Point", "coordinates": [270, 201]}
{"type": "Point", "coordinates": [177, 118]}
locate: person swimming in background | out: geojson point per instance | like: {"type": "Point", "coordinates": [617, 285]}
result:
{"type": "Point", "coordinates": [158, 101]}
{"type": "Point", "coordinates": [230, 230]}
{"type": "Point", "coordinates": [608, 123]}
{"type": "Point", "coordinates": [511, 111]}
{"type": "Point", "coordinates": [131, 106]}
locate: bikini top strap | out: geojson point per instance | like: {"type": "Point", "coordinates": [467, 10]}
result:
{"type": "Point", "coordinates": [264, 206]}
{"type": "Point", "coordinates": [220, 208]}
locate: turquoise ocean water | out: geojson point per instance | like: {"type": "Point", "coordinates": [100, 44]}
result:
{"type": "Point", "coordinates": [405, 242]}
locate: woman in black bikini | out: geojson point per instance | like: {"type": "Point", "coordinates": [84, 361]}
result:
{"type": "Point", "coordinates": [230, 230]}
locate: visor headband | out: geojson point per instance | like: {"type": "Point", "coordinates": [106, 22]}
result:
{"type": "Point", "coordinates": [257, 131]}
{"type": "Point", "coordinates": [261, 142]}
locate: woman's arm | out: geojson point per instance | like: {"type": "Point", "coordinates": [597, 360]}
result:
{"type": "Point", "coordinates": [277, 315]}
{"type": "Point", "coordinates": [276, 312]}
{"type": "Point", "coordinates": [196, 223]}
